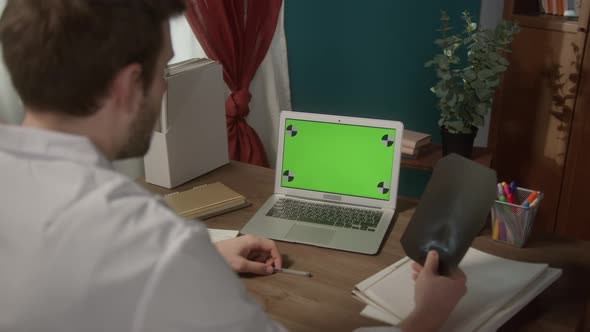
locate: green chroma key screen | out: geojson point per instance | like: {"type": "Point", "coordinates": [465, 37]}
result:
{"type": "Point", "coordinates": [336, 158]}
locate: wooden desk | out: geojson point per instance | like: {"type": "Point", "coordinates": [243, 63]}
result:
{"type": "Point", "coordinates": [324, 302]}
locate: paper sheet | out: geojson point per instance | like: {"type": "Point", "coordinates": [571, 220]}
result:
{"type": "Point", "coordinates": [221, 234]}
{"type": "Point", "coordinates": [498, 319]}
{"type": "Point", "coordinates": [493, 283]}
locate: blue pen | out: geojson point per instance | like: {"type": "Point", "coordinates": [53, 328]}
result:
{"type": "Point", "coordinates": [512, 187]}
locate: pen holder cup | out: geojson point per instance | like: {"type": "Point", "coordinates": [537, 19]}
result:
{"type": "Point", "coordinates": [512, 223]}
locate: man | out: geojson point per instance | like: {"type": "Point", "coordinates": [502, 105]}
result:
{"type": "Point", "coordinates": [84, 248]}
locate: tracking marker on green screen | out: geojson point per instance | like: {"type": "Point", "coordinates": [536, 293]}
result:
{"type": "Point", "coordinates": [387, 140]}
{"type": "Point", "coordinates": [288, 176]}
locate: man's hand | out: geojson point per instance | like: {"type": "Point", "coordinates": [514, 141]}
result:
{"type": "Point", "coordinates": [250, 254]}
{"type": "Point", "coordinates": [435, 296]}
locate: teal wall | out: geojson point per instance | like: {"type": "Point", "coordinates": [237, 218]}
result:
{"type": "Point", "coordinates": [366, 58]}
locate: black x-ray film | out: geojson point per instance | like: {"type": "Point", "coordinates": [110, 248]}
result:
{"type": "Point", "coordinates": [451, 212]}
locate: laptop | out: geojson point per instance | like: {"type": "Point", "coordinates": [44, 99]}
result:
{"type": "Point", "coordinates": [336, 182]}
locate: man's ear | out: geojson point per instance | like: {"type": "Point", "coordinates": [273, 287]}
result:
{"type": "Point", "coordinates": [127, 88]}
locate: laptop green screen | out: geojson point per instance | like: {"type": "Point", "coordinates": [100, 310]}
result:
{"type": "Point", "coordinates": [337, 158]}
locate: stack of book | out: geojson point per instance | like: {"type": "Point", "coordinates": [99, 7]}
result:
{"type": "Point", "coordinates": [559, 7]}
{"type": "Point", "coordinates": [414, 143]}
{"type": "Point", "coordinates": [205, 201]}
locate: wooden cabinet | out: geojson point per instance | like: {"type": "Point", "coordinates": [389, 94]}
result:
{"type": "Point", "coordinates": [540, 127]}
{"type": "Point", "coordinates": [573, 217]}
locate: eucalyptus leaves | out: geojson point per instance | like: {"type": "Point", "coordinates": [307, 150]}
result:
{"type": "Point", "coordinates": [465, 89]}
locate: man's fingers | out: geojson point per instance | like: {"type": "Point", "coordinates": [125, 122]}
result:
{"type": "Point", "coordinates": [458, 274]}
{"type": "Point", "coordinates": [431, 264]}
{"type": "Point", "coordinates": [256, 268]}
{"type": "Point", "coordinates": [270, 261]}
{"type": "Point", "coordinates": [416, 267]}
{"type": "Point", "coordinates": [268, 246]}
{"type": "Point", "coordinates": [414, 276]}
{"type": "Point", "coordinates": [259, 256]}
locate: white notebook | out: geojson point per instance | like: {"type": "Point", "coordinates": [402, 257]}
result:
{"type": "Point", "coordinates": [497, 289]}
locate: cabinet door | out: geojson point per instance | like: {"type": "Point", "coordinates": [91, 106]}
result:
{"type": "Point", "coordinates": [534, 111]}
{"type": "Point", "coordinates": [574, 215]}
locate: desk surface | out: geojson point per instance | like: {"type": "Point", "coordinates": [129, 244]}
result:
{"type": "Point", "coordinates": [324, 302]}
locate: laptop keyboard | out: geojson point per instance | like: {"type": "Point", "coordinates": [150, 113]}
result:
{"type": "Point", "coordinates": [325, 214]}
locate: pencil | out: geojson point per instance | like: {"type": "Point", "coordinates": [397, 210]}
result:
{"type": "Point", "coordinates": [295, 272]}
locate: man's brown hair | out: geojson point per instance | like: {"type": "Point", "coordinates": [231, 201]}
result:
{"type": "Point", "coordinates": [63, 54]}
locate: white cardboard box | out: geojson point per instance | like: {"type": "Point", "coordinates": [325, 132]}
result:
{"type": "Point", "coordinates": [191, 136]}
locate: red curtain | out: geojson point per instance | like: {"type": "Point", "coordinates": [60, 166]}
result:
{"type": "Point", "coordinates": [237, 34]}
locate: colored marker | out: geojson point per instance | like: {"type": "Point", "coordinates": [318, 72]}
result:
{"type": "Point", "coordinates": [512, 187]}
{"type": "Point", "coordinates": [535, 201]}
{"type": "Point", "coordinates": [501, 193]}
{"type": "Point", "coordinates": [529, 200]}
{"type": "Point", "coordinates": [505, 189]}
{"type": "Point", "coordinates": [517, 229]}
{"type": "Point", "coordinates": [507, 193]}
{"type": "Point", "coordinates": [495, 231]}
{"type": "Point", "coordinates": [502, 231]}
{"type": "Point", "coordinates": [509, 235]}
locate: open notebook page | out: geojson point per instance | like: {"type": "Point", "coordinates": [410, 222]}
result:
{"type": "Point", "coordinates": [498, 319]}
{"type": "Point", "coordinates": [492, 282]}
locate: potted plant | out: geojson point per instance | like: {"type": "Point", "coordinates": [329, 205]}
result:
{"type": "Point", "coordinates": [468, 71]}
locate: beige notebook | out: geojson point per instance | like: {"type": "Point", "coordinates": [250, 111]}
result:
{"type": "Point", "coordinates": [205, 201]}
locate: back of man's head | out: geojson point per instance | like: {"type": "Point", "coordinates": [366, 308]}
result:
{"type": "Point", "coordinates": [63, 54]}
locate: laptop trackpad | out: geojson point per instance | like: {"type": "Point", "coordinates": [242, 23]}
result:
{"type": "Point", "coordinates": [310, 234]}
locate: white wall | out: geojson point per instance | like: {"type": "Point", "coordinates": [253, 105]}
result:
{"type": "Point", "coordinates": [490, 16]}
